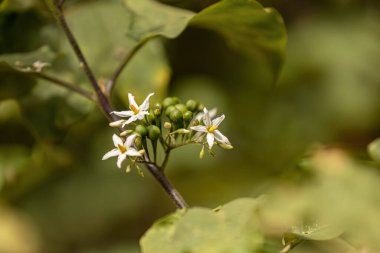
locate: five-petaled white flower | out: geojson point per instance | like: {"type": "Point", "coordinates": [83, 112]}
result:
{"type": "Point", "coordinates": [210, 128]}
{"type": "Point", "coordinates": [136, 112]}
{"type": "Point", "coordinates": [122, 150]}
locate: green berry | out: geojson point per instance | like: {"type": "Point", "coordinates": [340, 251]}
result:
{"type": "Point", "coordinates": [168, 102]}
{"type": "Point", "coordinates": [181, 107]}
{"type": "Point", "coordinates": [153, 133]}
{"type": "Point", "coordinates": [176, 116]}
{"type": "Point", "coordinates": [191, 105]}
{"type": "Point", "coordinates": [141, 130]}
{"type": "Point", "coordinates": [200, 107]}
{"type": "Point", "coordinates": [187, 116]}
{"type": "Point", "coordinates": [169, 110]}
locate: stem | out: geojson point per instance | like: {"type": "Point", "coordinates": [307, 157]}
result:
{"type": "Point", "coordinates": [164, 163]}
{"type": "Point", "coordinates": [165, 183]}
{"type": "Point", "coordinates": [105, 105]}
{"type": "Point", "coordinates": [107, 109]}
{"type": "Point", "coordinates": [87, 94]}
{"type": "Point", "coordinates": [123, 64]}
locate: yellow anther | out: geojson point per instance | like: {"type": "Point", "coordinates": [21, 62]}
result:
{"type": "Point", "coordinates": [212, 129]}
{"type": "Point", "coordinates": [134, 109]}
{"type": "Point", "coordinates": [121, 148]}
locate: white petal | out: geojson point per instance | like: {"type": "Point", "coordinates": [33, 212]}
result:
{"type": "Point", "coordinates": [213, 112]}
{"type": "Point", "coordinates": [220, 137]}
{"type": "Point", "coordinates": [217, 121]}
{"type": "Point", "coordinates": [112, 153]}
{"type": "Point", "coordinates": [117, 140]}
{"type": "Point", "coordinates": [132, 101]}
{"type": "Point", "coordinates": [133, 152]}
{"type": "Point", "coordinates": [123, 113]}
{"type": "Point", "coordinates": [129, 141]}
{"type": "Point", "coordinates": [141, 115]}
{"type": "Point", "coordinates": [145, 105]}
{"type": "Point", "coordinates": [206, 118]}
{"type": "Point", "coordinates": [120, 159]}
{"type": "Point", "coordinates": [130, 120]}
{"type": "Point", "coordinates": [199, 128]}
{"type": "Point", "coordinates": [210, 140]}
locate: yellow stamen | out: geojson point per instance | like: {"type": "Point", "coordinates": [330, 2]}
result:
{"type": "Point", "coordinates": [121, 148]}
{"type": "Point", "coordinates": [134, 109]}
{"type": "Point", "coordinates": [212, 129]}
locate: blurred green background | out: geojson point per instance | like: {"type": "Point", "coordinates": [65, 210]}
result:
{"type": "Point", "coordinates": [56, 195]}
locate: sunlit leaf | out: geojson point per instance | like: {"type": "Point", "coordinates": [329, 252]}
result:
{"type": "Point", "coordinates": [235, 227]}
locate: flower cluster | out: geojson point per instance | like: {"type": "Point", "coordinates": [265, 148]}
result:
{"type": "Point", "coordinates": [170, 123]}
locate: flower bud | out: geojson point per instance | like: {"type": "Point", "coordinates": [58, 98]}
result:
{"type": "Point", "coordinates": [168, 102]}
{"type": "Point", "coordinates": [176, 100]}
{"type": "Point", "coordinates": [117, 123]}
{"type": "Point", "coordinates": [153, 133]}
{"type": "Point", "coordinates": [187, 116]}
{"type": "Point", "coordinates": [181, 107]}
{"type": "Point", "coordinates": [176, 116]}
{"type": "Point", "coordinates": [191, 105]}
{"type": "Point", "coordinates": [141, 130]}
{"type": "Point", "coordinates": [202, 153]}
{"type": "Point", "coordinates": [138, 141]}
{"type": "Point", "coordinates": [225, 146]}
{"type": "Point", "coordinates": [157, 109]}
{"type": "Point", "coordinates": [169, 110]}
{"type": "Point", "coordinates": [167, 125]}
{"type": "Point", "coordinates": [200, 107]}
{"type": "Point", "coordinates": [181, 131]}
{"type": "Point", "coordinates": [125, 133]}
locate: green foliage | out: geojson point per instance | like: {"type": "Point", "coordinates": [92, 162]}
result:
{"type": "Point", "coordinates": [235, 227]}
{"type": "Point", "coordinates": [249, 28]}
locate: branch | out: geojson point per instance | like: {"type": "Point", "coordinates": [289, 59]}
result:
{"type": "Point", "coordinates": [111, 84]}
{"type": "Point", "coordinates": [105, 105]}
{"type": "Point", "coordinates": [87, 94]}
{"type": "Point", "coordinates": [168, 187]}
{"type": "Point", "coordinates": [107, 108]}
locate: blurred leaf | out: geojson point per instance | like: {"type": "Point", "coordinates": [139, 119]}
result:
{"type": "Point", "coordinates": [374, 150]}
{"type": "Point", "coordinates": [235, 227]}
{"type": "Point", "coordinates": [245, 25]}
{"type": "Point", "coordinates": [318, 233]}
{"type": "Point", "coordinates": [249, 28]}
{"type": "Point", "coordinates": [152, 18]}
{"type": "Point", "coordinates": [26, 62]}
{"type": "Point", "coordinates": [15, 5]}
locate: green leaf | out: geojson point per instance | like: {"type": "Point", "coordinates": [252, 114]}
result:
{"type": "Point", "coordinates": [26, 62]}
{"type": "Point", "coordinates": [249, 28]}
{"type": "Point", "coordinates": [319, 233]}
{"type": "Point", "coordinates": [234, 227]}
{"type": "Point", "coordinates": [246, 26]}
{"type": "Point", "coordinates": [151, 18]}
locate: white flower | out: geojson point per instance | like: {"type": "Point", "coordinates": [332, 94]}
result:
{"type": "Point", "coordinates": [122, 150]}
{"type": "Point", "coordinates": [211, 129]}
{"type": "Point", "coordinates": [136, 112]}
{"type": "Point", "coordinates": [211, 112]}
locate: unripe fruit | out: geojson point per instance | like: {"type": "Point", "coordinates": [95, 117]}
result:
{"type": "Point", "coordinates": [168, 102]}
{"type": "Point", "coordinates": [181, 107]}
{"type": "Point", "coordinates": [187, 116]}
{"type": "Point", "coordinates": [176, 116]}
{"type": "Point", "coordinates": [200, 107]}
{"type": "Point", "coordinates": [153, 133]}
{"type": "Point", "coordinates": [191, 105]}
{"type": "Point", "coordinates": [141, 130]}
{"type": "Point", "coordinates": [169, 110]}
{"type": "Point", "coordinates": [157, 109]}
{"type": "Point", "coordinates": [138, 142]}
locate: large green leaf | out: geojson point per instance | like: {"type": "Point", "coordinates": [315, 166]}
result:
{"type": "Point", "coordinates": [234, 227]}
{"type": "Point", "coordinates": [247, 26]}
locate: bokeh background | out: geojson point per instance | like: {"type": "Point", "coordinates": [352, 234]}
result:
{"type": "Point", "coordinates": [56, 195]}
